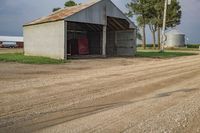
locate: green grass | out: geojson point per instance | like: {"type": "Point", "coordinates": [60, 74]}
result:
{"type": "Point", "coordinates": [177, 49]}
{"type": "Point", "coordinates": [20, 58]}
{"type": "Point", "coordinates": [157, 54]}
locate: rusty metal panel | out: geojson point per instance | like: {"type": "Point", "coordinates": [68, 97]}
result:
{"type": "Point", "coordinates": [95, 12]}
{"type": "Point", "coordinates": [62, 13]}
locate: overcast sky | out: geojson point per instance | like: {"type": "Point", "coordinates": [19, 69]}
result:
{"type": "Point", "coordinates": [15, 13]}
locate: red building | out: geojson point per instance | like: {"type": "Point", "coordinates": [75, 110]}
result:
{"type": "Point", "coordinates": [11, 41]}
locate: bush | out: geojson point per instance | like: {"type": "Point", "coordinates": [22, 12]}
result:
{"type": "Point", "coordinates": [193, 45]}
{"type": "Point", "coordinates": [148, 45]}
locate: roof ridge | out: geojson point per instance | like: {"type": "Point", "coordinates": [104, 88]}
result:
{"type": "Point", "coordinates": [62, 14]}
{"type": "Point", "coordinates": [81, 4]}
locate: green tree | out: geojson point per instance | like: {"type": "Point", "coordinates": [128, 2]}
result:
{"type": "Point", "coordinates": [152, 20]}
{"type": "Point", "coordinates": [174, 15]}
{"type": "Point", "coordinates": [150, 12]}
{"type": "Point", "coordinates": [159, 11]}
{"type": "Point", "coordinates": [140, 9]}
{"type": "Point", "coordinates": [70, 3]}
{"type": "Point", "coordinates": [139, 36]}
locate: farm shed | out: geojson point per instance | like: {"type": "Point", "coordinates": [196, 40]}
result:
{"type": "Point", "coordinates": [95, 28]}
{"type": "Point", "coordinates": [8, 41]}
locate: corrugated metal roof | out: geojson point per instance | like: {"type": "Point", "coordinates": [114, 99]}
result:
{"type": "Point", "coordinates": [11, 39]}
{"type": "Point", "coordinates": [63, 13]}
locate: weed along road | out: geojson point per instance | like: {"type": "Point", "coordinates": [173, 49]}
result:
{"type": "Point", "coordinates": [101, 95]}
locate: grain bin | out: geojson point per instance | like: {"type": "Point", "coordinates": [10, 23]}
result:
{"type": "Point", "coordinates": [175, 38]}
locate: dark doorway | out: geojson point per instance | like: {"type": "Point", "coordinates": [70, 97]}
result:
{"type": "Point", "coordinates": [83, 39]}
{"type": "Point", "coordinates": [77, 43]}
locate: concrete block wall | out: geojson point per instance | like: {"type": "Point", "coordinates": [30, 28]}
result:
{"type": "Point", "coordinates": [45, 39]}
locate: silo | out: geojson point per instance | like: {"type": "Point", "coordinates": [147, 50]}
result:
{"type": "Point", "coordinates": [175, 38]}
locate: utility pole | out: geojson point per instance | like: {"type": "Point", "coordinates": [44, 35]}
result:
{"type": "Point", "coordinates": [164, 38]}
{"type": "Point", "coordinates": [164, 25]}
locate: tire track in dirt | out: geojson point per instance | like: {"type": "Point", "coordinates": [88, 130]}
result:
{"type": "Point", "coordinates": [94, 73]}
{"type": "Point", "coordinates": [127, 79]}
{"type": "Point", "coordinates": [109, 85]}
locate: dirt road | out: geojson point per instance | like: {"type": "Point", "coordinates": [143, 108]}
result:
{"type": "Point", "coordinates": [111, 95]}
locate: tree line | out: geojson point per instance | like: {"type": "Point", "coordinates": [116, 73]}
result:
{"type": "Point", "coordinates": [69, 3]}
{"type": "Point", "coordinates": [149, 13]}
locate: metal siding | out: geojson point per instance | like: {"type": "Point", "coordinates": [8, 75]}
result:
{"type": "Point", "coordinates": [96, 14]}
{"type": "Point", "coordinates": [94, 43]}
{"type": "Point", "coordinates": [93, 15]}
{"type": "Point", "coordinates": [110, 49]}
{"type": "Point", "coordinates": [175, 40]}
{"type": "Point", "coordinates": [114, 11]}
{"type": "Point", "coordinates": [126, 44]}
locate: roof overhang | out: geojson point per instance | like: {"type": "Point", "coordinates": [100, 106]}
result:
{"type": "Point", "coordinates": [75, 13]}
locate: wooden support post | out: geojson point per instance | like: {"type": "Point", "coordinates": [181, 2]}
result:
{"type": "Point", "coordinates": [104, 40]}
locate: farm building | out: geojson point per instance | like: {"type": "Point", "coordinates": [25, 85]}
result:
{"type": "Point", "coordinates": [11, 41]}
{"type": "Point", "coordinates": [96, 28]}
{"type": "Point", "coordinates": [175, 38]}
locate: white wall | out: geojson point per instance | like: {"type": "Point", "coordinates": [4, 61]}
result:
{"type": "Point", "coordinates": [45, 40]}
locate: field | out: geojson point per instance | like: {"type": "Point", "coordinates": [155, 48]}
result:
{"type": "Point", "coordinates": [10, 50]}
{"type": "Point", "coordinates": [101, 95]}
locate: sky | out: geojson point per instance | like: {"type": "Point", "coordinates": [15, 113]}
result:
{"type": "Point", "coordinates": [15, 13]}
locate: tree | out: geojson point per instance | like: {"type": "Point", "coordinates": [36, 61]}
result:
{"type": "Point", "coordinates": [139, 8]}
{"type": "Point", "coordinates": [150, 12]}
{"type": "Point", "coordinates": [159, 8]}
{"type": "Point", "coordinates": [139, 36]}
{"type": "Point", "coordinates": [56, 9]}
{"type": "Point", "coordinates": [70, 3]}
{"type": "Point", "coordinates": [174, 15]}
{"type": "Point", "coordinates": [152, 20]}
{"type": "Point", "coordinates": [153, 29]}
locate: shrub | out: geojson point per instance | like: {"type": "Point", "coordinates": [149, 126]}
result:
{"type": "Point", "coordinates": [193, 45]}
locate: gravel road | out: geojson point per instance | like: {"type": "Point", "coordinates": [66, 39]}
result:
{"type": "Point", "coordinates": [102, 95]}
